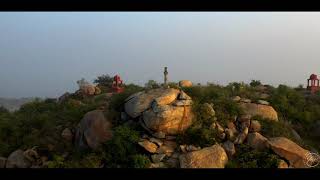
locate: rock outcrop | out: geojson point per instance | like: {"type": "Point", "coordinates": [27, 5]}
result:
{"type": "Point", "coordinates": [264, 111]}
{"type": "Point", "coordinates": [185, 83]}
{"type": "Point", "coordinates": [257, 141]}
{"type": "Point", "coordinates": [17, 160]}
{"type": "Point", "coordinates": [161, 110]}
{"type": "Point", "coordinates": [141, 101]}
{"type": "Point", "coordinates": [93, 130]}
{"type": "Point", "coordinates": [209, 157]}
{"type": "Point", "coordinates": [290, 151]}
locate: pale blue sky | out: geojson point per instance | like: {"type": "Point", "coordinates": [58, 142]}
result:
{"type": "Point", "coordinates": [44, 54]}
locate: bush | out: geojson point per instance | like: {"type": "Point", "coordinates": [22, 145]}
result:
{"type": "Point", "coordinates": [121, 146]}
{"type": "Point", "coordinates": [152, 84]}
{"type": "Point", "coordinates": [199, 136]}
{"type": "Point", "coordinates": [255, 83]}
{"type": "Point", "coordinates": [140, 161]}
{"type": "Point", "coordinates": [247, 157]}
{"type": "Point", "coordinates": [104, 80]}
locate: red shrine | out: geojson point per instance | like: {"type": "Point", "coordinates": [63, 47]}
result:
{"type": "Point", "coordinates": [313, 83]}
{"type": "Point", "coordinates": [117, 84]}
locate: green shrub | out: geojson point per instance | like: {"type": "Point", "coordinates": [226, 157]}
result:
{"type": "Point", "coordinates": [152, 84]}
{"type": "Point", "coordinates": [247, 157]}
{"type": "Point", "coordinates": [140, 161]}
{"type": "Point", "coordinates": [121, 146]}
{"type": "Point", "coordinates": [104, 80]}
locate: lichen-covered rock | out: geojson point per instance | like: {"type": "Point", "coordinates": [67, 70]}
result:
{"type": "Point", "coordinates": [207, 111]}
{"type": "Point", "coordinates": [290, 151]}
{"type": "Point", "coordinates": [229, 147]}
{"type": "Point", "coordinates": [255, 126]}
{"type": "Point", "coordinates": [141, 101]}
{"type": "Point", "coordinates": [264, 111]}
{"type": "Point", "coordinates": [257, 141]}
{"type": "Point", "coordinates": [242, 136]}
{"type": "Point", "coordinates": [236, 98]}
{"type": "Point", "coordinates": [209, 157]}
{"type": "Point", "coordinates": [17, 160]}
{"type": "Point", "coordinates": [170, 120]}
{"type": "Point", "coordinates": [185, 83]}
{"type": "Point", "coordinates": [93, 130]}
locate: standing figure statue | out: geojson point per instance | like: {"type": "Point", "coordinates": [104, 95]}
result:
{"type": "Point", "coordinates": [117, 84]}
{"type": "Point", "coordinates": [165, 77]}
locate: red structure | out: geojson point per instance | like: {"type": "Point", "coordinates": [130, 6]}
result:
{"type": "Point", "coordinates": [117, 84]}
{"type": "Point", "coordinates": [313, 83]}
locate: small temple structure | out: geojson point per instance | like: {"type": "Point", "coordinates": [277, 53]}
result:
{"type": "Point", "coordinates": [117, 84]}
{"type": "Point", "coordinates": [313, 83]}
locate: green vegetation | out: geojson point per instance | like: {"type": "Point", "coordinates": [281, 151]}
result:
{"type": "Point", "coordinates": [247, 157]}
{"type": "Point", "coordinates": [123, 150]}
{"type": "Point", "coordinates": [40, 123]}
{"type": "Point", "coordinates": [152, 84]}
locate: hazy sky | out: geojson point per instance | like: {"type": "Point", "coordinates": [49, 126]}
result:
{"type": "Point", "coordinates": [44, 54]}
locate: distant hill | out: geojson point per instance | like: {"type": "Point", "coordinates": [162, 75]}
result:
{"type": "Point", "coordinates": [13, 104]}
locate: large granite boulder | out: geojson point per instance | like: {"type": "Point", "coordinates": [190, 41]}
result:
{"type": "Point", "coordinates": [209, 157]}
{"type": "Point", "coordinates": [17, 160]}
{"type": "Point", "coordinates": [164, 110]}
{"type": "Point", "coordinates": [141, 101]}
{"type": "Point", "coordinates": [257, 141]}
{"type": "Point", "coordinates": [171, 120]}
{"type": "Point", "coordinates": [264, 111]}
{"type": "Point", "coordinates": [285, 148]}
{"type": "Point", "coordinates": [185, 83]}
{"type": "Point", "coordinates": [93, 130]}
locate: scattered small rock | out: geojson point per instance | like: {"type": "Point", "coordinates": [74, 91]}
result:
{"type": "Point", "coordinates": [236, 98]}
{"type": "Point", "coordinates": [183, 148]}
{"type": "Point", "coordinates": [283, 164]}
{"type": "Point", "coordinates": [156, 141]}
{"type": "Point", "coordinates": [263, 102]}
{"type": "Point", "coordinates": [255, 126]}
{"type": "Point", "coordinates": [230, 135]}
{"type": "Point", "coordinates": [190, 148]}
{"type": "Point", "coordinates": [245, 100]}
{"type": "Point", "coordinates": [156, 158]}
{"type": "Point", "coordinates": [229, 148]}
{"type": "Point", "coordinates": [242, 136]}
{"type": "Point", "coordinates": [159, 135]}
{"type": "Point", "coordinates": [149, 146]}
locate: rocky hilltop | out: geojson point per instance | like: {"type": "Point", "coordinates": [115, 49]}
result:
{"type": "Point", "coordinates": [182, 126]}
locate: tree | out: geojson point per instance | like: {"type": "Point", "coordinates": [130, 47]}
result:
{"type": "Point", "coordinates": [104, 80]}
{"type": "Point", "coordinates": [255, 83]}
{"type": "Point", "coordinates": [152, 84]}
{"type": "Point", "coordinates": [3, 110]}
